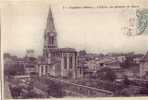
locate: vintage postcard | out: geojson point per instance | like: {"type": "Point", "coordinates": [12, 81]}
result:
{"type": "Point", "coordinates": [74, 49]}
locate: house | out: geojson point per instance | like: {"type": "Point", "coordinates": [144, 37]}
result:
{"type": "Point", "coordinates": [63, 63]}
{"type": "Point", "coordinates": [144, 66]}
{"type": "Point", "coordinates": [66, 59]}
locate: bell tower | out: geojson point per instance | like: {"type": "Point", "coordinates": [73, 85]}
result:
{"type": "Point", "coordinates": [50, 35]}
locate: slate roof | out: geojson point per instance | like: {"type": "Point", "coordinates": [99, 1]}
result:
{"type": "Point", "coordinates": [66, 50]}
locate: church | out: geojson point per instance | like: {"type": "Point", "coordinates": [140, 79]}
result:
{"type": "Point", "coordinates": [57, 62]}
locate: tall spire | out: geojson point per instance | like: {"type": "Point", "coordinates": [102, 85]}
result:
{"type": "Point", "coordinates": [50, 35]}
{"type": "Point", "coordinates": [50, 27]}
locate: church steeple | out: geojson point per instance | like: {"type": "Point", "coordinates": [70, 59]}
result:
{"type": "Point", "coordinates": [50, 35]}
{"type": "Point", "coordinates": [50, 27]}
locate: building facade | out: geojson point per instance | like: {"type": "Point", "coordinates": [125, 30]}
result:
{"type": "Point", "coordinates": [144, 66]}
{"type": "Point", "coordinates": [58, 62]}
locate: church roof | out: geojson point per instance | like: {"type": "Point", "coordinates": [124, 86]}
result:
{"type": "Point", "coordinates": [63, 50]}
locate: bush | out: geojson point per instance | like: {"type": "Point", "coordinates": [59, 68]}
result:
{"type": "Point", "coordinates": [106, 74]}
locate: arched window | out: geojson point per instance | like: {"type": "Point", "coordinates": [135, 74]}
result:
{"type": "Point", "coordinates": [51, 40]}
{"type": "Point", "coordinates": [70, 62]}
{"type": "Point", "coordinates": [65, 62]}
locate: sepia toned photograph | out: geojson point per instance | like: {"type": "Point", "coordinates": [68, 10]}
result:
{"type": "Point", "coordinates": [69, 49]}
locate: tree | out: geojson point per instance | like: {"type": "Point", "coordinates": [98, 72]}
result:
{"type": "Point", "coordinates": [126, 92]}
{"type": "Point", "coordinates": [82, 53]}
{"type": "Point", "coordinates": [15, 69]}
{"type": "Point", "coordinates": [54, 89]}
{"type": "Point", "coordinates": [128, 62]}
{"type": "Point", "coordinates": [126, 81]}
{"type": "Point", "coordinates": [106, 74]}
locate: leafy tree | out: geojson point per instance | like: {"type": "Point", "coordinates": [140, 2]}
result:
{"type": "Point", "coordinates": [106, 74]}
{"type": "Point", "coordinates": [82, 53]}
{"type": "Point", "coordinates": [126, 81]}
{"type": "Point", "coordinates": [15, 69]}
{"type": "Point", "coordinates": [128, 62]}
{"type": "Point", "coordinates": [126, 92]}
{"type": "Point", "coordinates": [54, 89]}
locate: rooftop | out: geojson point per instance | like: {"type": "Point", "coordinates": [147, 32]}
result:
{"type": "Point", "coordinates": [66, 50]}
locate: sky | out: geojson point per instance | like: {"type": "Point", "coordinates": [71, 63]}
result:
{"type": "Point", "coordinates": [95, 30]}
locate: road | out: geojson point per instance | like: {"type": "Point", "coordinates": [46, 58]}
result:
{"type": "Point", "coordinates": [82, 86]}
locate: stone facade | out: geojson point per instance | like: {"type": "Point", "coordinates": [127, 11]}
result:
{"type": "Point", "coordinates": [58, 62]}
{"type": "Point", "coordinates": [143, 69]}
{"type": "Point", "coordinates": [144, 66]}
